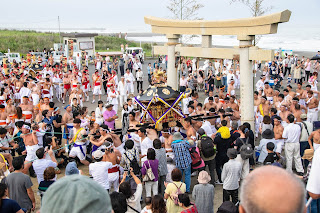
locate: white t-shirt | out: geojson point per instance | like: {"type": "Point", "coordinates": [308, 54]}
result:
{"type": "Point", "coordinates": [99, 172]}
{"type": "Point", "coordinates": [134, 201]}
{"type": "Point", "coordinates": [24, 91]}
{"type": "Point", "coordinates": [291, 133]}
{"type": "Point", "coordinates": [114, 100]}
{"type": "Point", "coordinates": [145, 145]}
{"type": "Point", "coordinates": [122, 88]}
{"type": "Point", "coordinates": [313, 184]}
{"type": "Point", "coordinates": [4, 142]}
{"type": "Point", "coordinates": [185, 103]}
{"type": "Point", "coordinates": [40, 165]}
{"type": "Point", "coordinates": [206, 126]}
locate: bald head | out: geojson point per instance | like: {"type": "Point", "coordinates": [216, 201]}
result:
{"type": "Point", "coordinates": [271, 189]}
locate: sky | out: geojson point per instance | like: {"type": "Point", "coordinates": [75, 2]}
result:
{"type": "Point", "coordinates": [127, 16]}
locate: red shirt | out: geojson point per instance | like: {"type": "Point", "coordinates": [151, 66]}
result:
{"type": "Point", "coordinates": [193, 209]}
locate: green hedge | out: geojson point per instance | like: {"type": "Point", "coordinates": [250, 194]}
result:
{"type": "Point", "coordinates": [23, 41]}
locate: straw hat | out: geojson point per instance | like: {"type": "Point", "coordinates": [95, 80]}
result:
{"type": "Point", "coordinates": [308, 154]}
{"type": "Point", "coordinates": [177, 136]}
{"type": "Point", "coordinates": [204, 177]}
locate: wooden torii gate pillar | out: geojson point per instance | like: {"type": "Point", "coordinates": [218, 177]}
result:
{"type": "Point", "coordinates": [245, 29]}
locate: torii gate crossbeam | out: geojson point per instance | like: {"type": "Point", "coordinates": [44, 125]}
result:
{"type": "Point", "coordinates": [245, 29]}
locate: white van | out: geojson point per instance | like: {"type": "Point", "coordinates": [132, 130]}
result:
{"type": "Point", "coordinates": [138, 50]}
{"type": "Point", "coordinates": [13, 56]}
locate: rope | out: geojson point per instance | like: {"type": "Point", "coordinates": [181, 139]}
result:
{"type": "Point", "coordinates": [45, 133]}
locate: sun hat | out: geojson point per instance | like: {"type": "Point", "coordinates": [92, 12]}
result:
{"type": "Point", "coordinates": [308, 154]}
{"type": "Point", "coordinates": [71, 169]}
{"type": "Point", "coordinates": [177, 136]}
{"type": "Point", "coordinates": [204, 177]}
{"type": "Point", "coordinates": [268, 134]}
{"type": "Point", "coordinates": [98, 154]}
{"type": "Point", "coordinates": [303, 116]}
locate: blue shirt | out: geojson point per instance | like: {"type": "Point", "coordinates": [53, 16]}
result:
{"type": "Point", "coordinates": [181, 152]}
{"type": "Point", "coordinates": [9, 206]}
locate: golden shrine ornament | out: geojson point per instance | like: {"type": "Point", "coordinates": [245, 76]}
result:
{"type": "Point", "coordinates": [166, 91]}
{"type": "Point", "coordinates": [150, 93]}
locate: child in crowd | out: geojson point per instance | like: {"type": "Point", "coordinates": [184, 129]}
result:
{"type": "Point", "coordinates": [289, 78]}
{"type": "Point", "coordinates": [272, 157]}
{"type": "Point", "coordinates": [171, 166]}
{"type": "Point", "coordinates": [147, 208]}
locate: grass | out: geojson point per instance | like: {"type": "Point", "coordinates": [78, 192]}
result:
{"type": "Point", "coordinates": [23, 41]}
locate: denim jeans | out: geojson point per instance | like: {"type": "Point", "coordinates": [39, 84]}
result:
{"type": "Point", "coordinates": [224, 82]}
{"type": "Point", "coordinates": [314, 206]}
{"type": "Point", "coordinates": [187, 177]}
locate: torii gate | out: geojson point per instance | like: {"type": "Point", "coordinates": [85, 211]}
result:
{"type": "Point", "coordinates": [245, 29]}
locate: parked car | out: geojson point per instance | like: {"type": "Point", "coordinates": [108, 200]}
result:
{"type": "Point", "coordinates": [56, 56]}
{"type": "Point", "coordinates": [13, 56]}
{"type": "Point", "coordinates": [138, 50]}
{"type": "Point", "coordinates": [41, 54]}
{"type": "Point", "coordinates": [1, 57]}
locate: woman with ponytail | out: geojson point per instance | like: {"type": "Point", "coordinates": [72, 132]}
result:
{"type": "Point", "coordinates": [7, 205]}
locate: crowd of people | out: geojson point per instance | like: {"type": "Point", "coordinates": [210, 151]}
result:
{"type": "Point", "coordinates": [210, 142]}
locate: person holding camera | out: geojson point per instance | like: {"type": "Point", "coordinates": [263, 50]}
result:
{"type": "Point", "coordinates": [30, 139]}
{"type": "Point", "coordinates": [133, 197]}
{"type": "Point", "coordinates": [42, 163]}
{"type": "Point", "coordinates": [99, 169]}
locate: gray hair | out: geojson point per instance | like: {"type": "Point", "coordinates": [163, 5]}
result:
{"type": "Point", "coordinates": [250, 184]}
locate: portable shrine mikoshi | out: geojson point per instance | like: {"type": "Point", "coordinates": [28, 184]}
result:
{"type": "Point", "coordinates": [160, 104]}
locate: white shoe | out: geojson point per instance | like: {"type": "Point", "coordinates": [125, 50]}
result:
{"type": "Point", "coordinates": [93, 101]}
{"type": "Point", "coordinates": [218, 182]}
{"type": "Point", "coordinates": [63, 101]}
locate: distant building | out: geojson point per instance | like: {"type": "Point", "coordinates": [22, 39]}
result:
{"type": "Point", "coordinates": [77, 42]}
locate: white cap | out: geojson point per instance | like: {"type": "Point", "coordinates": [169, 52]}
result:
{"type": "Point", "coordinates": [98, 154]}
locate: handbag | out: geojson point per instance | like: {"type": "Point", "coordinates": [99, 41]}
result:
{"type": "Point", "coordinates": [149, 174]}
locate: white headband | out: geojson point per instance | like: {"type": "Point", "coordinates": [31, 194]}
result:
{"type": "Point", "coordinates": [26, 127]}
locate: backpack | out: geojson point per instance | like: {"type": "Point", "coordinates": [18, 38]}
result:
{"type": "Point", "coordinates": [195, 157]}
{"type": "Point", "coordinates": [149, 174]}
{"type": "Point", "coordinates": [134, 165]}
{"type": "Point", "coordinates": [174, 196]}
{"type": "Point", "coordinates": [246, 150]}
{"type": "Point", "coordinates": [207, 147]}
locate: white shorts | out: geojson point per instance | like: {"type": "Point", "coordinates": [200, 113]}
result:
{"type": "Point", "coordinates": [31, 152]}
{"type": "Point", "coordinates": [270, 99]}
{"type": "Point", "coordinates": [97, 90]}
{"type": "Point", "coordinates": [76, 152]}
{"type": "Point", "coordinates": [279, 144]}
{"type": "Point", "coordinates": [315, 146]}
{"type": "Point", "coordinates": [84, 89]}
{"type": "Point", "coordinates": [17, 96]}
{"type": "Point", "coordinates": [312, 115]}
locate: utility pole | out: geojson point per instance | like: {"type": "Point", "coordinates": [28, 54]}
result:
{"type": "Point", "coordinates": [59, 28]}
